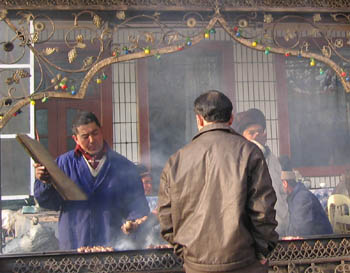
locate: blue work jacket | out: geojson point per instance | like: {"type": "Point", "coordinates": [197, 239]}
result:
{"type": "Point", "coordinates": [115, 195]}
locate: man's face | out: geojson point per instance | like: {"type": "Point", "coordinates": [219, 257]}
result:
{"type": "Point", "coordinates": [90, 138]}
{"type": "Point", "coordinates": [147, 184]}
{"type": "Point", "coordinates": [255, 132]}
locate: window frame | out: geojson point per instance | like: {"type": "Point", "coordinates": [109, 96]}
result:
{"type": "Point", "coordinates": [31, 133]}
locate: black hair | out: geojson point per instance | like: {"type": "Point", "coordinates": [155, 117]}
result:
{"type": "Point", "coordinates": [213, 106]}
{"type": "Point", "coordinates": [286, 166]}
{"type": "Point", "coordinates": [142, 169]}
{"type": "Point", "coordinates": [83, 118]}
{"type": "Point", "coordinates": [247, 118]}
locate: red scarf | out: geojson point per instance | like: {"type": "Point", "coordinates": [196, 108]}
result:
{"type": "Point", "coordinates": [93, 160]}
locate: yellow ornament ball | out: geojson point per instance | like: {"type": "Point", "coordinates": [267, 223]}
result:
{"type": "Point", "coordinates": [206, 35]}
{"type": "Point", "coordinates": [98, 81]}
{"type": "Point", "coordinates": [254, 44]}
{"type": "Point", "coordinates": [32, 102]}
{"type": "Point", "coordinates": [147, 51]}
{"type": "Point", "coordinates": [312, 63]}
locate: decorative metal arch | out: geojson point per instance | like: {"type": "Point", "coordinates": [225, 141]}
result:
{"type": "Point", "coordinates": [254, 30]}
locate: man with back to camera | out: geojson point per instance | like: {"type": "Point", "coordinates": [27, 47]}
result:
{"type": "Point", "coordinates": [252, 125]}
{"type": "Point", "coordinates": [110, 181]}
{"type": "Point", "coordinates": [216, 201]}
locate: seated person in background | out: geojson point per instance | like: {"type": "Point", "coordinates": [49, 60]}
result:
{"type": "Point", "coordinates": [148, 234]}
{"type": "Point", "coordinates": [110, 181]}
{"type": "Point", "coordinates": [306, 214]}
{"type": "Point", "coordinates": [146, 178]}
{"type": "Point", "coordinates": [344, 185]}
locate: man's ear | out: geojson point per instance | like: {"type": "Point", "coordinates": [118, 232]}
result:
{"type": "Point", "coordinates": [200, 121]}
{"type": "Point", "coordinates": [75, 138]}
{"type": "Point", "coordinates": [285, 184]}
{"type": "Point", "coordinates": [231, 120]}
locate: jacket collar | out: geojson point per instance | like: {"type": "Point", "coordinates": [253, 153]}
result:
{"type": "Point", "coordinates": [264, 148]}
{"type": "Point", "coordinates": [78, 151]}
{"type": "Point", "coordinates": [213, 127]}
{"type": "Point", "coordinates": [298, 187]}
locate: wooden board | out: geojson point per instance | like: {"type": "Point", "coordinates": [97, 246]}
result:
{"type": "Point", "coordinates": [62, 183]}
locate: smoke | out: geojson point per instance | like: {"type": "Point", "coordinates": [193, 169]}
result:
{"type": "Point", "coordinates": [146, 236]}
{"type": "Point", "coordinates": [126, 244]}
{"type": "Point", "coordinates": [174, 81]}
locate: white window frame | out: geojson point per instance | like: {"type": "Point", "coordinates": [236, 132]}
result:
{"type": "Point", "coordinates": [29, 66]}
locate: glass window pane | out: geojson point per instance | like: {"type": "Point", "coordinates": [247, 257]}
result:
{"type": "Point", "coordinates": [15, 168]}
{"type": "Point", "coordinates": [18, 87]}
{"type": "Point", "coordinates": [71, 113]}
{"type": "Point", "coordinates": [44, 141]}
{"type": "Point", "coordinates": [70, 143]}
{"type": "Point", "coordinates": [41, 122]}
{"type": "Point", "coordinates": [13, 52]}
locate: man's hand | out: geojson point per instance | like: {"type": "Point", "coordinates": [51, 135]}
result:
{"type": "Point", "coordinates": [262, 259]}
{"type": "Point", "coordinates": [130, 226]}
{"type": "Point", "coordinates": [41, 173]}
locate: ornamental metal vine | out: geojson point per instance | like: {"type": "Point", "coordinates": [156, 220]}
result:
{"type": "Point", "coordinates": [309, 36]}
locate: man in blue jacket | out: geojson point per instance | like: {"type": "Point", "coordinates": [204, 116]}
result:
{"type": "Point", "coordinates": [306, 214]}
{"type": "Point", "coordinates": [110, 181]}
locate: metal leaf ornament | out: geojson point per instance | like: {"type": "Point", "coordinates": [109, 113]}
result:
{"type": "Point", "coordinates": [149, 37]}
{"type": "Point", "coordinates": [3, 14]}
{"type": "Point", "coordinates": [120, 15]}
{"type": "Point", "coordinates": [35, 37]}
{"type": "Point", "coordinates": [173, 38]}
{"type": "Point", "coordinates": [97, 21]}
{"type": "Point", "coordinates": [290, 34]}
{"type": "Point", "coordinates": [72, 55]}
{"type": "Point", "coordinates": [80, 41]}
{"type": "Point", "coordinates": [88, 61]}
{"type": "Point", "coordinates": [134, 40]}
{"type": "Point", "coordinates": [317, 17]}
{"type": "Point", "coordinates": [50, 50]}
{"type": "Point", "coordinates": [268, 18]}
{"type": "Point", "coordinates": [326, 51]}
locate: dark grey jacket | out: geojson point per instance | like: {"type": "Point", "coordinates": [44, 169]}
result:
{"type": "Point", "coordinates": [216, 201]}
{"type": "Point", "coordinates": [307, 216]}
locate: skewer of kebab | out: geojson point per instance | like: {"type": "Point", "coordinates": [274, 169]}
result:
{"type": "Point", "coordinates": [127, 228]}
{"type": "Point", "coordinates": [89, 249]}
{"type": "Point", "coordinates": [131, 225]}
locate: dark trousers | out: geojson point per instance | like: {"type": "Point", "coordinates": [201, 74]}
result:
{"type": "Point", "coordinates": [255, 267]}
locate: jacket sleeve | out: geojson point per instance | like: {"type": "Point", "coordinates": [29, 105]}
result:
{"type": "Point", "coordinates": [46, 195]}
{"type": "Point", "coordinates": [134, 199]}
{"type": "Point", "coordinates": [164, 212]}
{"type": "Point", "coordinates": [282, 212]}
{"type": "Point", "coordinates": [261, 200]}
{"type": "Point", "coordinates": [164, 208]}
